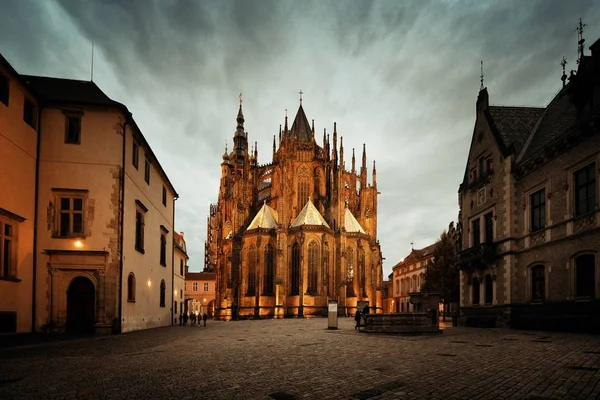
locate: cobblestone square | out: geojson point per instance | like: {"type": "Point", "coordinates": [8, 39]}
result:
{"type": "Point", "coordinates": [301, 359]}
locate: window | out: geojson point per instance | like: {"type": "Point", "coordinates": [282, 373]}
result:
{"type": "Point", "coordinates": [175, 307]}
{"type": "Point", "coordinates": [72, 127]}
{"type": "Point", "coordinates": [295, 267]}
{"type": "Point", "coordinates": [206, 286]}
{"type": "Point", "coordinates": [181, 267]}
{"type": "Point", "coordinates": [538, 210]}
{"type": "Point", "coordinates": [140, 215]}
{"type": "Point", "coordinates": [313, 259]}
{"type": "Point", "coordinates": [489, 165]}
{"type": "Point", "coordinates": [163, 289]}
{"type": "Point", "coordinates": [185, 286]}
{"type": "Point", "coordinates": [475, 286]}
{"type": "Point", "coordinates": [70, 215]}
{"type": "Point", "coordinates": [135, 154]}
{"type": "Point", "coordinates": [164, 196]}
{"type": "Point", "coordinates": [163, 249]}
{"type": "Point", "coordinates": [350, 273]}
{"type": "Point", "coordinates": [489, 227]}
{"type": "Point", "coordinates": [538, 283]}
{"type": "Point", "coordinates": [585, 190]}
{"type": "Point", "coordinates": [476, 233]}
{"type": "Point", "coordinates": [585, 276]}
{"type": "Point", "coordinates": [489, 289]}
{"type": "Point", "coordinates": [303, 191]}
{"type": "Point", "coordinates": [131, 287]}
{"type": "Point", "coordinates": [195, 286]}
{"type": "Point", "coordinates": [269, 270]}
{"type": "Point", "coordinates": [480, 163]}
{"type": "Point", "coordinates": [181, 293]}
{"type": "Point", "coordinates": [251, 271]}
{"type": "Point", "coordinates": [147, 171]}
{"type": "Point", "coordinates": [4, 89]}
{"type": "Point", "coordinates": [7, 249]}
{"type": "Point", "coordinates": [29, 113]}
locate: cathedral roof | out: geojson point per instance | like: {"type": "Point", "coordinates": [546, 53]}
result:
{"type": "Point", "coordinates": [266, 218]}
{"type": "Point", "coordinates": [301, 130]}
{"type": "Point", "coordinates": [351, 224]}
{"type": "Point", "coordinates": [309, 216]}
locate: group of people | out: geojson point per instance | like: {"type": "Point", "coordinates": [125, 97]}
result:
{"type": "Point", "coordinates": [194, 319]}
{"type": "Point", "coordinates": [360, 314]}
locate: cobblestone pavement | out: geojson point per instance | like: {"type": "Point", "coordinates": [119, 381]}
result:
{"type": "Point", "coordinates": [301, 359]}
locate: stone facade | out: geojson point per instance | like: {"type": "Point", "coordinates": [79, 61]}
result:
{"type": "Point", "coordinates": [291, 235]}
{"type": "Point", "coordinates": [529, 215]}
{"type": "Point", "coordinates": [408, 277]}
{"type": "Point", "coordinates": [200, 293]}
{"type": "Point", "coordinates": [83, 268]}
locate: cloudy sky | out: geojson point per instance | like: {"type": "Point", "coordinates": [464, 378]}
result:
{"type": "Point", "coordinates": [400, 76]}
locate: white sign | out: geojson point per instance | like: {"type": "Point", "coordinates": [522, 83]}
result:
{"type": "Point", "coordinates": [332, 307]}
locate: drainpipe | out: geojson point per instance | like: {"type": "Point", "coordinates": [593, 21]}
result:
{"type": "Point", "coordinates": [35, 220]}
{"type": "Point", "coordinates": [121, 223]}
{"type": "Point", "coordinates": [173, 264]}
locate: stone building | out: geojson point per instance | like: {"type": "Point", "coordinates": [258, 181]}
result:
{"type": "Point", "coordinates": [408, 276]}
{"type": "Point", "coordinates": [86, 211]}
{"type": "Point", "coordinates": [200, 292]}
{"type": "Point", "coordinates": [529, 216]}
{"type": "Point", "coordinates": [290, 235]}
{"type": "Point", "coordinates": [179, 269]}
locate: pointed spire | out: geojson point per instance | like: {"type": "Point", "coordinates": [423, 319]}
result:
{"type": "Point", "coordinates": [342, 152]}
{"type": "Point", "coordinates": [353, 162]}
{"type": "Point", "coordinates": [280, 134]}
{"type": "Point", "coordinates": [324, 137]}
{"type": "Point", "coordinates": [364, 157]}
{"type": "Point", "coordinates": [273, 144]}
{"type": "Point", "coordinates": [286, 124]}
{"type": "Point", "coordinates": [374, 175]}
{"type": "Point", "coordinates": [256, 151]}
{"type": "Point", "coordinates": [312, 127]}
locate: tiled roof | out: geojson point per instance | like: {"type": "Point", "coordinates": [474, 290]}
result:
{"type": "Point", "coordinates": [309, 216]}
{"type": "Point", "coordinates": [301, 130]}
{"type": "Point", "coordinates": [69, 90]}
{"type": "Point", "coordinates": [266, 218]}
{"type": "Point", "coordinates": [559, 116]}
{"type": "Point", "coordinates": [351, 224]}
{"type": "Point", "coordinates": [515, 124]}
{"type": "Point", "coordinates": [200, 276]}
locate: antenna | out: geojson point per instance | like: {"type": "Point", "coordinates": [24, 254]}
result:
{"type": "Point", "coordinates": [92, 74]}
{"type": "Point", "coordinates": [481, 76]}
{"type": "Point", "coordinates": [580, 40]}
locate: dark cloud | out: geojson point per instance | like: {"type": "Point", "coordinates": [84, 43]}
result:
{"type": "Point", "coordinates": [401, 77]}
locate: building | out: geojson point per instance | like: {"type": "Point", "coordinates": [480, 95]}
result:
{"type": "Point", "coordinates": [86, 212]}
{"type": "Point", "coordinates": [296, 232]}
{"type": "Point", "coordinates": [200, 292]}
{"type": "Point", "coordinates": [180, 267]}
{"type": "Point", "coordinates": [387, 298]}
{"type": "Point", "coordinates": [408, 277]}
{"type": "Point", "coordinates": [529, 216]}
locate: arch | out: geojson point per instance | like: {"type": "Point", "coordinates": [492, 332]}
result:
{"type": "Point", "coordinates": [81, 306]}
{"type": "Point", "coordinates": [251, 284]}
{"type": "Point", "coordinates": [131, 287]}
{"type": "Point", "coordinates": [269, 277]}
{"type": "Point", "coordinates": [295, 270]}
{"type": "Point", "coordinates": [585, 275]}
{"type": "Point", "coordinates": [163, 289]}
{"type": "Point", "coordinates": [313, 265]}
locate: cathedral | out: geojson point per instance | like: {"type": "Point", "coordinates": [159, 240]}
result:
{"type": "Point", "coordinates": [287, 237]}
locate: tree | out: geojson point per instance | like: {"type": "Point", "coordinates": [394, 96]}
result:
{"type": "Point", "coordinates": [441, 274]}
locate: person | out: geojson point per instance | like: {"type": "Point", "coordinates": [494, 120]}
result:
{"type": "Point", "coordinates": [204, 318]}
{"type": "Point", "coordinates": [180, 319]}
{"type": "Point", "coordinates": [357, 318]}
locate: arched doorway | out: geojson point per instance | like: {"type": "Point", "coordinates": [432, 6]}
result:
{"type": "Point", "coordinates": [81, 301]}
{"type": "Point", "coordinates": [211, 309]}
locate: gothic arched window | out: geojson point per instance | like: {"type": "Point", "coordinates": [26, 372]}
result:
{"type": "Point", "coordinates": [326, 267]}
{"type": "Point", "coordinates": [313, 262]}
{"type": "Point", "coordinates": [295, 270]}
{"type": "Point", "coordinates": [269, 271]}
{"type": "Point", "coordinates": [228, 270]}
{"type": "Point", "coordinates": [251, 271]}
{"type": "Point", "coordinates": [350, 273]}
{"type": "Point", "coordinates": [361, 267]}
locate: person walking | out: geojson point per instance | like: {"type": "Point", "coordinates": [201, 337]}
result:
{"type": "Point", "coordinates": [204, 318]}
{"type": "Point", "coordinates": [357, 319]}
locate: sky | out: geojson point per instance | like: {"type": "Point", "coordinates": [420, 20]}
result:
{"type": "Point", "coordinates": [400, 76]}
